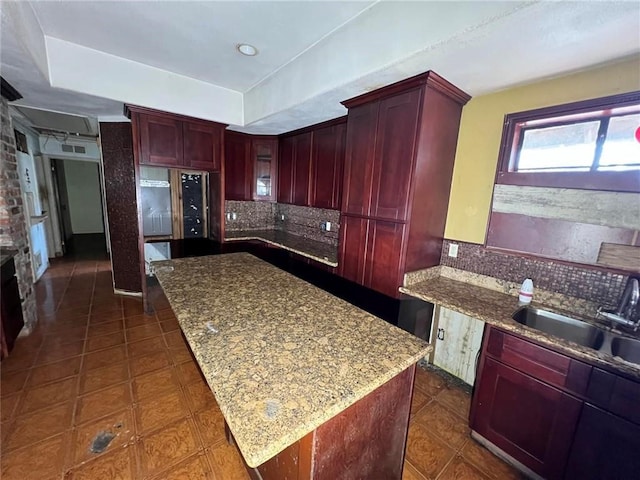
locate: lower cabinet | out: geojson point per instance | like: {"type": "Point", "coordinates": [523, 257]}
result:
{"type": "Point", "coordinates": [606, 447]}
{"type": "Point", "coordinates": [560, 417]}
{"type": "Point", "coordinates": [526, 418]}
{"type": "Point", "coordinates": [457, 340]}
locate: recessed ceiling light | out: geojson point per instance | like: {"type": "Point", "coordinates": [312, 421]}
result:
{"type": "Point", "coordinates": [246, 49]}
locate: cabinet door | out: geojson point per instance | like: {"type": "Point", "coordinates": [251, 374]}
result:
{"type": "Point", "coordinates": [361, 136]}
{"type": "Point", "coordinates": [529, 420]}
{"type": "Point", "coordinates": [264, 155]}
{"type": "Point", "coordinates": [605, 447]}
{"type": "Point", "coordinates": [161, 141]}
{"type": "Point", "coordinates": [302, 169]}
{"type": "Point", "coordinates": [353, 246]}
{"type": "Point", "coordinates": [458, 339]}
{"type": "Point", "coordinates": [327, 161]}
{"type": "Point", "coordinates": [393, 158]}
{"type": "Point", "coordinates": [202, 146]}
{"type": "Point", "coordinates": [287, 149]}
{"type": "Point", "coordinates": [237, 171]}
{"type": "Point", "coordinates": [384, 253]}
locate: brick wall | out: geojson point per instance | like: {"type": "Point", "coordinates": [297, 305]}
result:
{"type": "Point", "coordinates": [13, 227]}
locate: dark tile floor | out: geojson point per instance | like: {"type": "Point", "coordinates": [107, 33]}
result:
{"type": "Point", "coordinates": [97, 363]}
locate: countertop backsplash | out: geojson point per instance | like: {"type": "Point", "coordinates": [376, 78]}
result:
{"type": "Point", "coordinates": [301, 221]}
{"type": "Point", "coordinates": [581, 282]}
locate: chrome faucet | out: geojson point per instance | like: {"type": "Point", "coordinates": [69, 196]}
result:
{"type": "Point", "coordinates": [627, 312]}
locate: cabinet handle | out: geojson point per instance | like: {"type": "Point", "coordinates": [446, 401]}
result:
{"type": "Point", "coordinates": [440, 334]}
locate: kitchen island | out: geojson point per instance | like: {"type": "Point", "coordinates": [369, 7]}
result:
{"type": "Point", "coordinates": [309, 385]}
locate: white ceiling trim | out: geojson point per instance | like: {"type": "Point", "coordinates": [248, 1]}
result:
{"type": "Point", "coordinates": [85, 70]}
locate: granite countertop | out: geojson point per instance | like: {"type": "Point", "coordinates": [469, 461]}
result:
{"type": "Point", "coordinates": [281, 356]}
{"type": "Point", "coordinates": [318, 251]}
{"type": "Point", "coordinates": [496, 308]}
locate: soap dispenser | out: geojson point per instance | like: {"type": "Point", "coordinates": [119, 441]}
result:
{"type": "Point", "coordinates": [526, 292]}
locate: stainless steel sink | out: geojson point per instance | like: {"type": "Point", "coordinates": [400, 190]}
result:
{"type": "Point", "coordinates": [626, 348]}
{"type": "Point", "coordinates": [560, 326]}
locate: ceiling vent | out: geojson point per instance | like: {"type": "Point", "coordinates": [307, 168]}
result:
{"type": "Point", "coordinates": [73, 148]}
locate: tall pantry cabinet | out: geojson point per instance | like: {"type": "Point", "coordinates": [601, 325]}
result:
{"type": "Point", "coordinates": [401, 142]}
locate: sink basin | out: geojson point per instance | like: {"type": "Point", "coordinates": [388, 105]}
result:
{"type": "Point", "coordinates": [563, 327]}
{"type": "Point", "coordinates": [626, 348]}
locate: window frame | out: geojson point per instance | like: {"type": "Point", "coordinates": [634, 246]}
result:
{"type": "Point", "coordinates": [619, 181]}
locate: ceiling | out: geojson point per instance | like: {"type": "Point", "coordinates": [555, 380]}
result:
{"type": "Point", "coordinates": [88, 58]}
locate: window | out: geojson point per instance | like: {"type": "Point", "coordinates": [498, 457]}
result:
{"type": "Point", "coordinates": [592, 145]}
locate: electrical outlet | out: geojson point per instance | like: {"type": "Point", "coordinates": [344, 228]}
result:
{"type": "Point", "coordinates": [282, 217]}
{"type": "Point", "coordinates": [228, 216]}
{"type": "Point", "coordinates": [327, 226]}
{"type": "Point", "coordinates": [234, 216]}
{"type": "Point", "coordinates": [453, 250]}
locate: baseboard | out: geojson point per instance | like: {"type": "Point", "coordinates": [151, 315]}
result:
{"type": "Point", "coordinates": [497, 451]}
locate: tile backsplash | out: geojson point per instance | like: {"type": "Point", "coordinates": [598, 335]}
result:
{"type": "Point", "coordinates": [302, 221]}
{"type": "Point", "coordinates": [593, 284]}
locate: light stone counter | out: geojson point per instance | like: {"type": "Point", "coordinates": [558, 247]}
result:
{"type": "Point", "coordinates": [318, 251]}
{"type": "Point", "coordinates": [496, 308]}
{"type": "Point", "coordinates": [281, 356]}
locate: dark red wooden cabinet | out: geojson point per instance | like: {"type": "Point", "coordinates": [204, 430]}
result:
{"type": "Point", "coordinates": [393, 157]}
{"type": "Point", "coordinates": [311, 165]}
{"type": "Point", "coordinates": [558, 416]}
{"type": "Point", "coordinates": [237, 167]}
{"type": "Point", "coordinates": [523, 416]}
{"type": "Point", "coordinates": [400, 149]}
{"type": "Point", "coordinates": [264, 167]}
{"type": "Point", "coordinates": [605, 448]}
{"type": "Point", "coordinates": [327, 161]}
{"type": "Point", "coordinates": [202, 146]}
{"type": "Point", "coordinates": [367, 239]}
{"type": "Point", "coordinates": [294, 168]}
{"type": "Point", "coordinates": [250, 166]}
{"type": "Point", "coordinates": [160, 140]}
{"type": "Point", "coordinates": [358, 168]}
{"type": "Point", "coordinates": [167, 140]}
{"type": "Point", "coordinates": [287, 149]}
{"type": "Point", "coordinates": [354, 232]}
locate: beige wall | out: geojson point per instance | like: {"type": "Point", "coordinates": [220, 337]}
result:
{"type": "Point", "coordinates": [481, 131]}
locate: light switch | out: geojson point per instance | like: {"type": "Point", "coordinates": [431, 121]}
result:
{"type": "Point", "coordinates": [453, 250]}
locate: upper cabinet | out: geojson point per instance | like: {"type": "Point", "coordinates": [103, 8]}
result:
{"type": "Point", "coordinates": [264, 163]}
{"type": "Point", "coordinates": [168, 140]}
{"type": "Point", "coordinates": [311, 165]}
{"type": "Point", "coordinates": [251, 163]}
{"type": "Point", "coordinates": [327, 161]}
{"type": "Point", "coordinates": [202, 145]}
{"type": "Point", "coordinates": [160, 140]}
{"type": "Point", "coordinates": [294, 169]}
{"type": "Point", "coordinates": [400, 149]}
{"type": "Point", "coordinates": [237, 166]}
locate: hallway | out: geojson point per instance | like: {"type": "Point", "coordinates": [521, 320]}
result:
{"type": "Point", "coordinates": [96, 364]}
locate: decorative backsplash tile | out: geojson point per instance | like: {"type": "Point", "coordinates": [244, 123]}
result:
{"type": "Point", "coordinates": [249, 215]}
{"type": "Point", "coordinates": [302, 221]}
{"type": "Point", "coordinates": [589, 283]}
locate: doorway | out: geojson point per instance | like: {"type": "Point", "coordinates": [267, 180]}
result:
{"type": "Point", "coordinates": [78, 197]}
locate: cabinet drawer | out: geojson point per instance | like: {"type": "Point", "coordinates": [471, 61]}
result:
{"type": "Point", "coordinates": [539, 362]}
